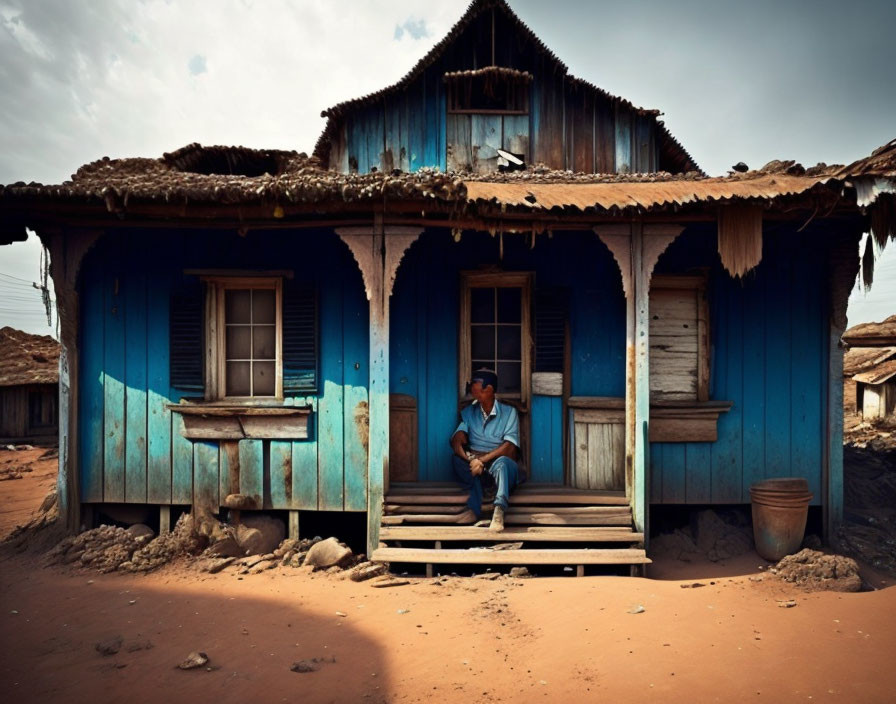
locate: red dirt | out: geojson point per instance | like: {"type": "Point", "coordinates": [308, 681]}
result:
{"type": "Point", "coordinates": [549, 639]}
{"type": "Point", "coordinates": [454, 640]}
{"type": "Point", "coordinates": [22, 497]}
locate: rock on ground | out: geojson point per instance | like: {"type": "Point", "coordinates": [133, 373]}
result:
{"type": "Point", "coordinates": [259, 534]}
{"type": "Point", "coordinates": [328, 553]}
{"type": "Point", "coordinates": [817, 571]}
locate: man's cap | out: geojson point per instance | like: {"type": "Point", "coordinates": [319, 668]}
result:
{"type": "Point", "coordinates": [486, 377]}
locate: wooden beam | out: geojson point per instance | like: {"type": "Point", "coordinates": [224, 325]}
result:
{"type": "Point", "coordinates": [560, 556]}
{"type": "Point", "coordinates": [843, 265]}
{"type": "Point", "coordinates": [600, 534]}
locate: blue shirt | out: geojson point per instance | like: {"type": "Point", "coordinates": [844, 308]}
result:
{"type": "Point", "coordinates": [487, 434]}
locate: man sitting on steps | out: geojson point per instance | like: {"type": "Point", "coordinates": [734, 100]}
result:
{"type": "Point", "coordinates": [486, 444]}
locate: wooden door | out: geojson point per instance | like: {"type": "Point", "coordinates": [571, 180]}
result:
{"type": "Point", "coordinates": [598, 449]}
{"type": "Point", "coordinates": [402, 438]}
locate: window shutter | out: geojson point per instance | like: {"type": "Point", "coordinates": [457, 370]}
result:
{"type": "Point", "coordinates": [299, 338]}
{"type": "Point", "coordinates": [674, 348]}
{"type": "Point", "coordinates": [187, 335]}
{"type": "Point", "coordinates": [551, 312]}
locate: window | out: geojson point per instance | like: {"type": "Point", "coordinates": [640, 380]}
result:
{"type": "Point", "coordinates": [245, 334]}
{"type": "Point", "coordinates": [487, 110]}
{"type": "Point", "coordinates": [495, 330]}
{"type": "Point", "coordinates": [251, 352]}
{"type": "Point", "coordinates": [42, 409]}
{"type": "Point", "coordinates": [493, 89]}
{"type": "Point", "coordinates": [679, 339]}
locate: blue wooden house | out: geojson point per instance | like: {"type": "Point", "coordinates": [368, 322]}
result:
{"type": "Point", "coordinates": [262, 330]}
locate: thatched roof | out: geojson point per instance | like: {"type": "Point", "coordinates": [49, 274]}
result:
{"type": "Point", "coordinates": [879, 374]}
{"type": "Point", "coordinates": [27, 359]}
{"type": "Point", "coordinates": [861, 359]}
{"type": "Point", "coordinates": [872, 334]}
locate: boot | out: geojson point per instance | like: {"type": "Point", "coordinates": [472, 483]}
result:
{"type": "Point", "coordinates": [497, 524]}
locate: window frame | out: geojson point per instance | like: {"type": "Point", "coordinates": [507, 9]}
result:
{"type": "Point", "coordinates": [476, 279]}
{"type": "Point", "coordinates": [215, 353]}
{"type": "Point", "coordinates": [698, 284]}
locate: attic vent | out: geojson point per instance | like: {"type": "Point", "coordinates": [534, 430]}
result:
{"type": "Point", "coordinates": [226, 161]}
{"type": "Point", "coordinates": [490, 89]}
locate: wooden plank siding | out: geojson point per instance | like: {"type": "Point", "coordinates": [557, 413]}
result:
{"type": "Point", "coordinates": [765, 334]}
{"type": "Point", "coordinates": [131, 445]}
{"type": "Point", "coordinates": [570, 124]}
{"type": "Point", "coordinates": [768, 334]}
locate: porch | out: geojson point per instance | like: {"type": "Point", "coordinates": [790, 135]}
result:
{"type": "Point", "coordinates": [546, 524]}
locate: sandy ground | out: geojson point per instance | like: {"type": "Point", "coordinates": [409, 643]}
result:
{"type": "Point", "coordinates": [451, 640]}
{"type": "Point", "coordinates": [21, 497]}
{"type": "Point", "coordinates": [460, 640]}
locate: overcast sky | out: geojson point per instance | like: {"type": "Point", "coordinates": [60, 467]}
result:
{"type": "Point", "coordinates": [810, 80]}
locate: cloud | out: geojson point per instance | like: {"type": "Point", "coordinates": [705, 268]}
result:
{"type": "Point", "coordinates": [415, 28]}
{"type": "Point", "coordinates": [197, 65]}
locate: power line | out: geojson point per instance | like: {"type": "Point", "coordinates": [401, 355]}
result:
{"type": "Point", "coordinates": [16, 278]}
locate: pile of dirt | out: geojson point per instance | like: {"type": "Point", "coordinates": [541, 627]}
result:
{"type": "Point", "coordinates": [253, 546]}
{"type": "Point", "coordinates": [308, 554]}
{"type": "Point", "coordinates": [819, 572]}
{"type": "Point", "coordinates": [713, 535]}
{"type": "Point", "coordinates": [133, 549]}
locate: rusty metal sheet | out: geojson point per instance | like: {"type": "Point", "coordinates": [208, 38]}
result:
{"type": "Point", "coordinates": [584, 196]}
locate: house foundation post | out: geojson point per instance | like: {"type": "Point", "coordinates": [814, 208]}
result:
{"type": "Point", "coordinates": [378, 252]}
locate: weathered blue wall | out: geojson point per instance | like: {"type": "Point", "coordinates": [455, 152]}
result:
{"type": "Point", "coordinates": [424, 328]}
{"type": "Point", "coordinates": [769, 357]}
{"type": "Point", "coordinates": [768, 334]}
{"type": "Point", "coordinates": [571, 124]}
{"type": "Point", "coordinates": [130, 446]}
{"type": "Point", "coordinates": [768, 339]}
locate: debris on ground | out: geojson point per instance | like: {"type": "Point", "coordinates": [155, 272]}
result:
{"type": "Point", "coordinates": [109, 646]}
{"type": "Point", "coordinates": [310, 665]}
{"type": "Point", "coordinates": [817, 571]}
{"type": "Point", "coordinates": [194, 660]}
{"type": "Point", "coordinates": [713, 534]}
{"type": "Point", "coordinates": [134, 549]}
{"type": "Point", "coordinates": [328, 553]}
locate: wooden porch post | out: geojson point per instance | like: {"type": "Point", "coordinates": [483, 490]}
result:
{"type": "Point", "coordinates": [843, 267]}
{"type": "Point", "coordinates": [378, 251]}
{"type": "Point", "coordinates": [67, 250]}
{"type": "Point", "coordinates": [636, 248]}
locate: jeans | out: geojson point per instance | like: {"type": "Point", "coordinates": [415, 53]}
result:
{"type": "Point", "coordinates": [503, 469]}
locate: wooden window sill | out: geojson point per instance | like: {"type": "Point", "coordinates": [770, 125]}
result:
{"type": "Point", "coordinates": [670, 421]}
{"type": "Point", "coordinates": [228, 421]}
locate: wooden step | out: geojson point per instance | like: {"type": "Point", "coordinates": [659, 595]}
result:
{"type": "Point", "coordinates": [565, 556]}
{"type": "Point", "coordinates": [617, 518]}
{"type": "Point", "coordinates": [603, 534]}
{"type": "Point", "coordinates": [607, 518]}
{"type": "Point", "coordinates": [520, 496]}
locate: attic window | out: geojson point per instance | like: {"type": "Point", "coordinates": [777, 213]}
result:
{"type": "Point", "coordinates": [489, 90]}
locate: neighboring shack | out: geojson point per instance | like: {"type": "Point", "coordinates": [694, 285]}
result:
{"type": "Point", "coordinates": [869, 370]}
{"type": "Point", "coordinates": [29, 387]}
